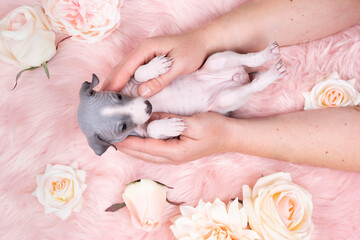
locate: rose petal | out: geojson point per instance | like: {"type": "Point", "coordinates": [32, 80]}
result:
{"type": "Point", "coordinates": [63, 214]}
{"type": "Point", "coordinates": [145, 200]}
{"type": "Point", "coordinates": [36, 50]}
{"type": "Point", "coordinates": [5, 53]}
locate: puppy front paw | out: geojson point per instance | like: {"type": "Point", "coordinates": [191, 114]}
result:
{"type": "Point", "coordinates": [166, 128]}
{"type": "Point", "coordinates": [157, 66]}
{"type": "Point", "coordinates": [161, 64]}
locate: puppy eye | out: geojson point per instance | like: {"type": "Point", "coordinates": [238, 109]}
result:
{"type": "Point", "coordinates": [119, 96]}
{"type": "Point", "coordinates": [124, 127]}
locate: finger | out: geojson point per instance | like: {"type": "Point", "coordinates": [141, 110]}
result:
{"type": "Point", "coordinates": [151, 146]}
{"type": "Point", "coordinates": [127, 67]}
{"type": "Point", "coordinates": [144, 156]}
{"type": "Point", "coordinates": [153, 86]}
{"type": "Point", "coordinates": [123, 72]}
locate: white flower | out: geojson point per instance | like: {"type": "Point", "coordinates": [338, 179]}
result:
{"type": "Point", "coordinates": [213, 221]}
{"type": "Point", "coordinates": [60, 189]}
{"type": "Point", "coordinates": [332, 92]}
{"type": "Point", "coordinates": [26, 38]}
{"type": "Point", "coordinates": [146, 201]}
{"type": "Point", "coordinates": [278, 209]}
{"type": "Point", "coordinates": [85, 20]}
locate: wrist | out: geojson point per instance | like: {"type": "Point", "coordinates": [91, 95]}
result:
{"type": "Point", "coordinates": [233, 135]}
{"type": "Point", "coordinates": [205, 36]}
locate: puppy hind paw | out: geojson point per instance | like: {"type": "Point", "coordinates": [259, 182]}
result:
{"type": "Point", "coordinates": [273, 50]}
{"type": "Point", "coordinates": [281, 68]}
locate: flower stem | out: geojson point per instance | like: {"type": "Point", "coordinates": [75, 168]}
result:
{"type": "Point", "coordinates": [19, 75]}
{"type": "Point", "coordinates": [46, 69]}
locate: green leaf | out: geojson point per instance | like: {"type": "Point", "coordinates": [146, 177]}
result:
{"type": "Point", "coordinates": [133, 182]}
{"type": "Point", "coordinates": [163, 185]}
{"type": "Point", "coordinates": [57, 45]}
{"type": "Point", "coordinates": [19, 75]}
{"type": "Point", "coordinates": [174, 203]}
{"type": "Point", "coordinates": [46, 69]}
{"type": "Point", "coordinates": [115, 207]}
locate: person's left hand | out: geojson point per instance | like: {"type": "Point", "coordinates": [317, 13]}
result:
{"type": "Point", "coordinates": [205, 134]}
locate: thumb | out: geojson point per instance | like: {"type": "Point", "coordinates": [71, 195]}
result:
{"type": "Point", "coordinates": [155, 85]}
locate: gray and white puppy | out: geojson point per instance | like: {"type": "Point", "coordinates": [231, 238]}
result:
{"type": "Point", "coordinates": [221, 85]}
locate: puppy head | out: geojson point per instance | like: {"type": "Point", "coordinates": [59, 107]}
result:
{"type": "Point", "coordinates": [109, 117]}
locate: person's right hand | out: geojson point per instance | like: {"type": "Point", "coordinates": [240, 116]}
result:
{"type": "Point", "coordinates": [188, 52]}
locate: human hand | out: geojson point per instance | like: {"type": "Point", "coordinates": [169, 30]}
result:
{"type": "Point", "coordinates": [205, 134]}
{"type": "Point", "coordinates": [188, 52]}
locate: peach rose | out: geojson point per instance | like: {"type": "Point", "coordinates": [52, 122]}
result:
{"type": "Point", "coordinates": [85, 20]}
{"type": "Point", "coordinates": [332, 92]}
{"type": "Point", "coordinates": [278, 208]}
{"type": "Point", "coordinates": [146, 201]}
{"type": "Point", "coordinates": [26, 38]}
{"type": "Point", "coordinates": [60, 189]}
{"type": "Point", "coordinates": [213, 221]}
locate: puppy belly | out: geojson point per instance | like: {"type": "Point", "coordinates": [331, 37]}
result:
{"type": "Point", "coordinates": [188, 98]}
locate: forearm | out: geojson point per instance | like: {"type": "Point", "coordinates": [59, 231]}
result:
{"type": "Point", "coordinates": [253, 25]}
{"type": "Point", "coordinates": [328, 138]}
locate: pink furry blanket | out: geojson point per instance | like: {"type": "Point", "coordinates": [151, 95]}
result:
{"type": "Point", "coordinates": [38, 126]}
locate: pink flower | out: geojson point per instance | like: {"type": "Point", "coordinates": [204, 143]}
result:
{"type": "Point", "coordinates": [146, 201]}
{"type": "Point", "coordinates": [85, 20]}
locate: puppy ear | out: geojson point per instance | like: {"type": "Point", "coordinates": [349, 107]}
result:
{"type": "Point", "coordinates": [87, 88]}
{"type": "Point", "coordinates": [95, 81]}
{"type": "Point", "coordinates": [98, 145]}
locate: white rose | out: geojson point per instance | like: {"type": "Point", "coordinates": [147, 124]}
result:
{"type": "Point", "coordinates": [60, 189]}
{"type": "Point", "coordinates": [278, 208]}
{"type": "Point", "coordinates": [332, 92]}
{"type": "Point", "coordinates": [213, 221]}
{"type": "Point", "coordinates": [85, 20]}
{"type": "Point", "coordinates": [26, 39]}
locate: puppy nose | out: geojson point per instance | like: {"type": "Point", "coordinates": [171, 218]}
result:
{"type": "Point", "coordinates": [148, 107]}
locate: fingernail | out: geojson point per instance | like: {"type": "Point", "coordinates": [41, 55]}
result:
{"type": "Point", "coordinates": [145, 91]}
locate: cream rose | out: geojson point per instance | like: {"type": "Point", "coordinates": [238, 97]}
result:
{"type": "Point", "coordinates": [26, 39]}
{"type": "Point", "coordinates": [332, 92]}
{"type": "Point", "coordinates": [278, 208]}
{"type": "Point", "coordinates": [146, 201]}
{"type": "Point", "coordinates": [60, 189]}
{"type": "Point", "coordinates": [213, 221]}
{"type": "Point", "coordinates": [85, 20]}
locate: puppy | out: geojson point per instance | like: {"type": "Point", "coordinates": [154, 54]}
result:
{"type": "Point", "coordinates": [221, 85]}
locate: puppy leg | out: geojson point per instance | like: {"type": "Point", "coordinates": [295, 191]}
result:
{"type": "Point", "coordinates": [231, 99]}
{"type": "Point", "coordinates": [165, 128]}
{"type": "Point", "coordinates": [157, 66]}
{"type": "Point", "coordinates": [223, 60]}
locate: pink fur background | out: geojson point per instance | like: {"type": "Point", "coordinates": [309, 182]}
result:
{"type": "Point", "coordinates": [38, 126]}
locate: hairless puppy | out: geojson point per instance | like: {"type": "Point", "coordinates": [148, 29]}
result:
{"type": "Point", "coordinates": [221, 85]}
